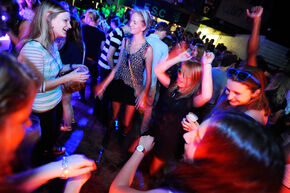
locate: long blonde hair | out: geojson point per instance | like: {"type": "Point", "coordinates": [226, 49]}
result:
{"type": "Point", "coordinates": [41, 24]}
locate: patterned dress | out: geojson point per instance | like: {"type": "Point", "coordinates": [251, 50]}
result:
{"type": "Point", "coordinates": [123, 85]}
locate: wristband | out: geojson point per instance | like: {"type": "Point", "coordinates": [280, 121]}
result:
{"type": "Point", "coordinates": [64, 167]}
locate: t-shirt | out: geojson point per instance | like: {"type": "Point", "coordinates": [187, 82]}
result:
{"type": "Point", "coordinates": [49, 64]}
{"type": "Point", "coordinates": [114, 39]}
{"type": "Point", "coordinates": [93, 38]}
{"type": "Point", "coordinates": [219, 78]}
{"type": "Point", "coordinates": [160, 53]}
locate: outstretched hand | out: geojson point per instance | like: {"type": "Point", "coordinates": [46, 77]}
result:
{"type": "Point", "coordinates": [79, 165]}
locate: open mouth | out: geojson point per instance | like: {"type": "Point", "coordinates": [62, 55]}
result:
{"type": "Point", "coordinates": [65, 30]}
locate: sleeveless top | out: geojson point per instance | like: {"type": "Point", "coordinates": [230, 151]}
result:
{"type": "Point", "coordinates": [137, 60]}
{"type": "Point", "coordinates": [166, 124]}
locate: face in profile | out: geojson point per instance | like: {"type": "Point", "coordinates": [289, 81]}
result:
{"type": "Point", "coordinates": [61, 24]}
{"type": "Point", "coordinates": [136, 23]}
{"type": "Point", "coordinates": [238, 93]}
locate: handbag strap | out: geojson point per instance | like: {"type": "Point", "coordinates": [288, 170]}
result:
{"type": "Point", "coordinates": [130, 68]}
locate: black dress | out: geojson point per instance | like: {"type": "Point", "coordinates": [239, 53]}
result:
{"type": "Point", "coordinates": [166, 124]}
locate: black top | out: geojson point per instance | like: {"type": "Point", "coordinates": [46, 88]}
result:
{"type": "Point", "coordinates": [93, 37]}
{"type": "Point", "coordinates": [70, 53]}
{"type": "Point", "coordinates": [166, 125]}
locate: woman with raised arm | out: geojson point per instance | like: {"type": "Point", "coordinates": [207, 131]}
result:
{"type": "Point", "coordinates": [193, 88]}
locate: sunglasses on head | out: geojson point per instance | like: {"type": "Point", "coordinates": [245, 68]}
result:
{"type": "Point", "coordinates": [241, 75]}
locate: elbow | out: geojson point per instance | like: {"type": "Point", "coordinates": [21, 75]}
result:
{"type": "Point", "coordinates": [114, 188]}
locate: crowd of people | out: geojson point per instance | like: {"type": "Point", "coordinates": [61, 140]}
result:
{"type": "Point", "coordinates": [216, 123]}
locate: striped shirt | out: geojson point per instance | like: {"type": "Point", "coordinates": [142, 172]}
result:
{"type": "Point", "coordinates": [49, 65]}
{"type": "Point", "coordinates": [113, 39]}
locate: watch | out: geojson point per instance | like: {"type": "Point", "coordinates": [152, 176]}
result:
{"type": "Point", "coordinates": [140, 148]}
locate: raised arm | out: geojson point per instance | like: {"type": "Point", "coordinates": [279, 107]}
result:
{"type": "Point", "coordinates": [124, 178]}
{"type": "Point", "coordinates": [206, 81]}
{"type": "Point", "coordinates": [255, 14]}
{"type": "Point", "coordinates": [160, 69]}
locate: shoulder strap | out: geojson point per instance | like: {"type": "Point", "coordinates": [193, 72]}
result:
{"type": "Point", "coordinates": [130, 68]}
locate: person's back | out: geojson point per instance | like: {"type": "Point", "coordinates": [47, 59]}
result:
{"type": "Point", "coordinates": [93, 37]}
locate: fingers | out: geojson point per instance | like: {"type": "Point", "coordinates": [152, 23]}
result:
{"type": "Point", "coordinates": [189, 125]}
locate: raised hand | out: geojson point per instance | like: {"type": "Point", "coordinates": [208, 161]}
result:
{"type": "Point", "coordinates": [207, 58]}
{"type": "Point", "coordinates": [256, 12]}
{"type": "Point", "coordinates": [147, 142]}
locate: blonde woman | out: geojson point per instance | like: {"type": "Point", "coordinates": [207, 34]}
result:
{"type": "Point", "coordinates": [135, 57]}
{"type": "Point", "coordinates": [51, 21]}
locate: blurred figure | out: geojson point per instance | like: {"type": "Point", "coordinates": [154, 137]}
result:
{"type": "Point", "coordinates": [19, 84]}
{"type": "Point", "coordinates": [214, 156]}
{"type": "Point", "coordinates": [107, 61]}
{"type": "Point", "coordinates": [160, 53]}
{"type": "Point", "coordinates": [114, 23]}
{"type": "Point", "coordinates": [72, 53]}
{"type": "Point", "coordinates": [94, 39]}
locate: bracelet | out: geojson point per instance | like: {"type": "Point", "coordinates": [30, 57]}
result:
{"type": "Point", "coordinates": [64, 167]}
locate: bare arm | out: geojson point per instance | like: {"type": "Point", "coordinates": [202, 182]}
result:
{"type": "Point", "coordinates": [32, 179]}
{"type": "Point", "coordinates": [102, 45]}
{"type": "Point", "coordinates": [253, 44]}
{"type": "Point", "coordinates": [100, 88]}
{"type": "Point", "coordinates": [141, 100]}
{"type": "Point", "coordinates": [124, 178]}
{"type": "Point", "coordinates": [160, 69]}
{"type": "Point", "coordinates": [110, 56]}
{"type": "Point", "coordinates": [206, 81]}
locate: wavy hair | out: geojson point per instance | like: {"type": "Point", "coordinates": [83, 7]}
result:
{"type": "Point", "coordinates": [41, 24]}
